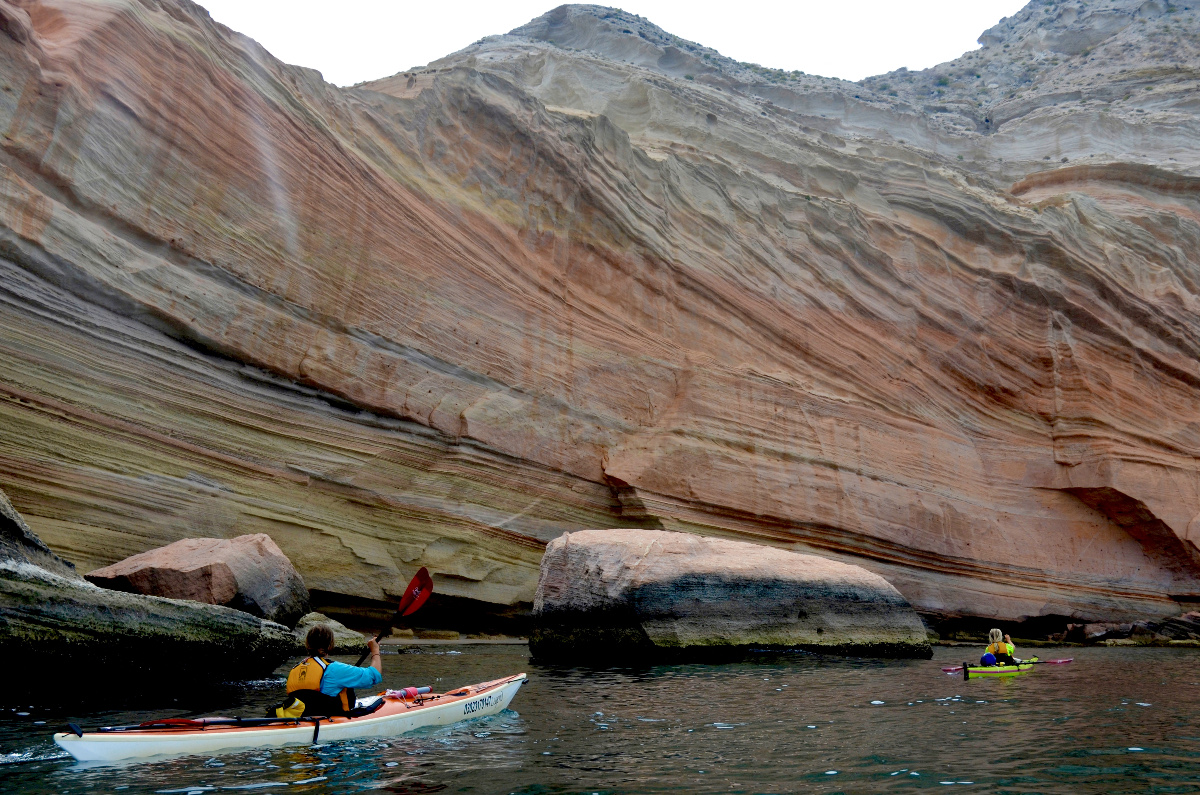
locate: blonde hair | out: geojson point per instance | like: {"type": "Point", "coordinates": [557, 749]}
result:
{"type": "Point", "coordinates": [995, 636]}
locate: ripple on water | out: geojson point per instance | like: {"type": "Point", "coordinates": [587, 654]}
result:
{"type": "Point", "coordinates": [32, 755]}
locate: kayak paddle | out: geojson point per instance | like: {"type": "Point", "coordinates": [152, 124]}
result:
{"type": "Point", "coordinates": [957, 668]}
{"type": "Point", "coordinates": [415, 595]}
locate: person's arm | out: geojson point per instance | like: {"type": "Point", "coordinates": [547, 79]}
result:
{"type": "Point", "coordinates": [376, 660]}
{"type": "Point", "coordinates": [340, 674]}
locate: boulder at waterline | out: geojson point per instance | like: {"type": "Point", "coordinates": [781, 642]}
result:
{"type": "Point", "coordinates": [248, 573]}
{"type": "Point", "coordinates": [58, 625]}
{"type": "Point", "coordinates": [346, 640]}
{"type": "Point", "coordinates": [648, 593]}
{"type": "Point", "coordinates": [62, 628]}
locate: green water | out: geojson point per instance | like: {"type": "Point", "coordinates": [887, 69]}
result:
{"type": "Point", "coordinates": [1114, 721]}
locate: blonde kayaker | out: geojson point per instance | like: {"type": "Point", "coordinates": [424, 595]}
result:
{"type": "Point", "coordinates": [1000, 650]}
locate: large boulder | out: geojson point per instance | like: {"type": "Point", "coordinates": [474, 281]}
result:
{"type": "Point", "coordinates": [605, 594]}
{"type": "Point", "coordinates": [346, 640]}
{"type": "Point", "coordinates": [248, 573]}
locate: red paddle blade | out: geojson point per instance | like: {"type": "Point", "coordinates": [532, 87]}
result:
{"type": "Point", "coordinates": [1058, 662]}
{"type": "Point", "coordinates": [416, 594]}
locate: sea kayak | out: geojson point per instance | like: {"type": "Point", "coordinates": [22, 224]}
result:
{"type": "Point", "coordinates": [970, 671]}
{"type": "Point", "coordinates": [398, 714]}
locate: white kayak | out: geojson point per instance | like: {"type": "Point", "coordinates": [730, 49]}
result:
{"type": "Point", "coordinates": [396, 716]}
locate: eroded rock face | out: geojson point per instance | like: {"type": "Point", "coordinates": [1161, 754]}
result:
{"type": "Point", "coordinates": [550, 283]}
{"type": "Point", "coordinates": [19, 544]}
{"type": "Point", "coordinates": [618, 594]}
{"type": "Point", "coordinates": [248, 573]}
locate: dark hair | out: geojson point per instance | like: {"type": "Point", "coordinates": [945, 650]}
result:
{"type": "Point", "coordinates": [319, 640]}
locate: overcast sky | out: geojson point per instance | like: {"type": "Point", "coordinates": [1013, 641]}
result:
{"type": "Point", "coordinates": [354, 40]}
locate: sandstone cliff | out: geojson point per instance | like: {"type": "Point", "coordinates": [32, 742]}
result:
{"type": "Point", "coordinates": [587, 274]}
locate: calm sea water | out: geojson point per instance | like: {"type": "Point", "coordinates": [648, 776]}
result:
{"type": "Point", "coordinates": [1114, 721]}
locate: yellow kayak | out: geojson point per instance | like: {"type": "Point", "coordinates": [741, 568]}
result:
{"type": "Point", "coordinates": [998, 670]}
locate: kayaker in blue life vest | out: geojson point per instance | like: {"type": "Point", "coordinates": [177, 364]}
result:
{"type": "Point", "coordinates": [319, 686]}
{"type": "Point", "coordinates": [1000, 650]}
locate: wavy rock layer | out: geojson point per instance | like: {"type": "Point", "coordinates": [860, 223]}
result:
{"type": "Point", "coordinates": [550, 283]}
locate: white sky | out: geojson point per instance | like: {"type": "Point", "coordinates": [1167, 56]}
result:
{"type": "Point", "coordinates": [354, 40]}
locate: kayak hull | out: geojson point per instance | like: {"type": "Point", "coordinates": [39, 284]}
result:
{"type": "Point", "coordinates": [997, 670]}
{"type": "Point", "coordinates": [395, 717]}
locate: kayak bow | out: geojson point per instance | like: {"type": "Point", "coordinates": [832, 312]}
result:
{"type": "Point", "coordinates": [180, 736]}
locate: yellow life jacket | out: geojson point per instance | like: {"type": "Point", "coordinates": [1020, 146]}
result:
{"type": "Point", "coordinates": [1001, 648]}
{"type": "Point", "coordinates": [304, 683]}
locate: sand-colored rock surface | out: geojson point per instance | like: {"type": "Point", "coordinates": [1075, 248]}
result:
{"type": "Point", "coordinates": [624, 593]}
{"type": "Point", "coordinates": [551, 283]}
{"type": "Point", "coordinates": [247, 573]}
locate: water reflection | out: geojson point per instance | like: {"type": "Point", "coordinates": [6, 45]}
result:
{"type": "Point", "coordinates": [1117, 720]}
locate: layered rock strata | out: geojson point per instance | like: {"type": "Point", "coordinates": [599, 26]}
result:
{"type": "Point", "coordinates": [629, 594]}
{"type": "Point", "coordinates": [551, 283]}
{"type": "Point", "coordinates": [20, 546]}
{"type": "Point", "coordinates": [54, 623]}
{"type": "Point", "coordinates": [247, 573]}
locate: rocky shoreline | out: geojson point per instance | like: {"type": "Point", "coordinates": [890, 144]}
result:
{"type": "Point", "coordinates": [69, 630]}
{"type": "Point", "coordinates": [66, 629]}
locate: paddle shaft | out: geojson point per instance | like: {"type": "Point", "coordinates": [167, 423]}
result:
{"type": "Point", "coordinates": [205, 722]}
{"type": "Point", "coordinates": [383, 634]}
{"type": "Point", "coordinates": [954, 668]}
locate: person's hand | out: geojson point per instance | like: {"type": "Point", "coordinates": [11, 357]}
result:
{"type": "Point", "coordinates": [373, 646]}
{"type": "Point", "coordinates": [1007, 639]}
